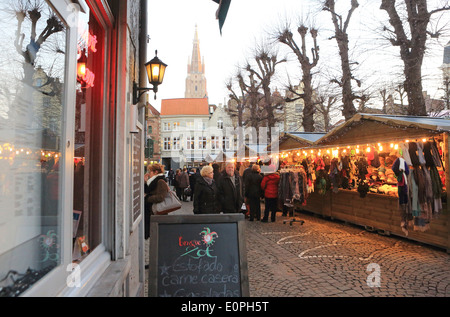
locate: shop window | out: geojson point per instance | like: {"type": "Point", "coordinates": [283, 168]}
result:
{"type": "Point", "coordinates": [31, 149]}
{"type": "Point", "coordinates": [87, 216]}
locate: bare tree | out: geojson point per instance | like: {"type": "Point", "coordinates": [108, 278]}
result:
{"type": "Point", "coordinates": [384, 98]}
{"type": "Point", "coordinates": [246, 100]}
{"type": "Point", "coordinates": [32, 10]}
{"type": "Point", "coordinates": [238, 99]}
{"type": "Point", "coordinates": [263, 71]}
{"type": "Point", "coordinates": [410, 35]}
{"type": "Point", "coordinates": [286, 37]}
{"type": "Point", "coordinates": [446, 89]}
{"type": "Point", "coordinates": [327, 103]}
{"type": "Point", "coordinates": [341, 36]}
{"type": "Point", "coordinates": [400, 90]}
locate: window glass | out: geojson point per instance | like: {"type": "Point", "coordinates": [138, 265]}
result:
{"type": "Point", "coordinates": [87, 217]}
{"type": "Point", "coordinates": [32, 64]}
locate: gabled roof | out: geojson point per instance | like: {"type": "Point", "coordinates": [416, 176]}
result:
{"type": "Point", "coordinates": [371, 127]}
{"type": "Point", "coordinates": [184, 106]}
{"type": "Point", "coordinates": [297, 140]}
{"type": "Point", "coordinates": [307, 136]}
{"type": "Point", "coordinates": [152, 111]}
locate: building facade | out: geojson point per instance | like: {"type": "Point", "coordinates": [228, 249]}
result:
{"type": "Point", "coordinates": [192, 132]}
{"type": "Point", "coordinates": [71, 148]}
{"type": "Point", "coordinates": [153, 136]}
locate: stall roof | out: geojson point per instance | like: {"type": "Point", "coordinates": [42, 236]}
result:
{"type": "Point", "coordinates": [431, 123]}
{"type": "Point", "coordinates": [297, 140]}
{"type": "Point", "coordinates": [375, 127]}
{"type": "Point", "coordinates": [307, 136]}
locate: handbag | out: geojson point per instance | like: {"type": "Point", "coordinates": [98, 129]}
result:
{"type": "Point", "coordinates": [169, 204]}
{"type": "Point", "coordinates": [188, 191]}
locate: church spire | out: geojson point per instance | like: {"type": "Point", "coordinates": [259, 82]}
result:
{"type": "Point", "coordinates": [196, 81]}
{"type": "Point", "coordinates": [196, 65]}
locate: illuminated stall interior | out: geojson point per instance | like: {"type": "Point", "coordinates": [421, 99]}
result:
{"type": "Point", "coordinates": [352, 173]}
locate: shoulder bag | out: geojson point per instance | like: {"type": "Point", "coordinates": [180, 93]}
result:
{"type": "Point", "coordinates": [169, 204]}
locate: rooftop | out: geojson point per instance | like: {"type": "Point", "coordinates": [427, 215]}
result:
{"type": "Point", "coordinates": [184, 106]}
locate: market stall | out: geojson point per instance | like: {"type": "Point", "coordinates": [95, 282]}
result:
{"type": "Point", "coordinates": [386, 173]}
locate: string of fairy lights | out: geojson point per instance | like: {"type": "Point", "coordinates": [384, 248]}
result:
{"type": "Point", "coordinates": [338, 151]}
{"type": "Point", "coordinates": [8, 152]}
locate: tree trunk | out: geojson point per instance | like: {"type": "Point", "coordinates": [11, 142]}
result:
{"type": "Point", "coordinates": [412, 49]}
{"type": "Point", "coordinates": [348, 110]}
{"type": "Point", "coordinates": [309, 109]}
{"type": "Point", "coordinates": [413, 87]}
{"type": "Point", "coordinates": [341, 36]}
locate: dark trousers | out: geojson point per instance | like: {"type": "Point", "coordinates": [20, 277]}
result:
{"type": "Point", "coordinates": [255, 208]}
{"type": "Point", "coordinates": [183, 194]}
{"type": "Point", "coordinates": [270, 206]}
{"type": "Point", "coordinates": [179, 192]}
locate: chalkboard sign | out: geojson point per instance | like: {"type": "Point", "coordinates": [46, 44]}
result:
{"type": "Point", "coordinates": [198, 256]}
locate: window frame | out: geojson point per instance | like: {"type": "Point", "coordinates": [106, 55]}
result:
{"type": "Point", "coordinates": [56, 282]}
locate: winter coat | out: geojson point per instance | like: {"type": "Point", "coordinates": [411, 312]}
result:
{"type": "Point", "coordinates": [269, 185]}
{"type": "Point", "coordinates": [229, 195]}
{"type": "Point", "coordinates": [155, 192]}
{"type": "Point", "coordinates": [253, 185]}
{"type": "Point", "coordinates": [205, 197]}
{"type": "Point", "coordinates": [184, 180]}
{"type": "Point", "coordinates": [193, 179]}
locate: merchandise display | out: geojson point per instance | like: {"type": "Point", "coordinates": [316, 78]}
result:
{"type": "Point", "coordinates": [411, 170]}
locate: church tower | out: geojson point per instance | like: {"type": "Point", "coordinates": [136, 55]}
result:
{"type": "Point", "coordinates": [196, 80]}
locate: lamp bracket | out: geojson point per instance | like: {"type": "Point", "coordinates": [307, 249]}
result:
{"type": "Point", "coordinates": [138, 92]}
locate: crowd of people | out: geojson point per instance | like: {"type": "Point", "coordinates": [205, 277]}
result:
{"type": "Point", "coordinates": [213, 191]}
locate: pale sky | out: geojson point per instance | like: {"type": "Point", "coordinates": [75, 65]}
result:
{"type": "Point", "coordinates": [172, 26]}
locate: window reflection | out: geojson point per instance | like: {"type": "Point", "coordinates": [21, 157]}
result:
{"type": "Point", "coordinates": [32, 64]}
{"type": "Point", "coordinates": [88, 138]}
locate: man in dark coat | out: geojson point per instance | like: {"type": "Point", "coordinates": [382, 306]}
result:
{"type": "Point", "coordinates": [192, 181]}
{"type": "Point", "coordinates": [253, 192]}
{"type": "Point", "coordinates": [245, 175]}
{"type": "Point", "coordinates": [229, 190]}
{"type": "Point", "coordinates": [184, 183]}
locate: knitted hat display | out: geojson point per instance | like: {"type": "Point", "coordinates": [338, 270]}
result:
{"type": "Point", "coordinates": [363, 189]}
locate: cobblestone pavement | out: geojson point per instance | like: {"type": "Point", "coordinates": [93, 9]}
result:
{"type": "Point", "coordinates": [323, 258]}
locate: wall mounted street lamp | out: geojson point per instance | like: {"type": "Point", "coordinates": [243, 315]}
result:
{"type": "Point", "coordinates": [155, 72]}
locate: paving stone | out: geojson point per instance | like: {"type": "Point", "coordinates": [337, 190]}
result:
{"type": "Point", "coordinates": [325, 258]}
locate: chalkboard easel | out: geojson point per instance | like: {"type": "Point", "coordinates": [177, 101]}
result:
{"type": "Point", "coordinates": [198, 256]}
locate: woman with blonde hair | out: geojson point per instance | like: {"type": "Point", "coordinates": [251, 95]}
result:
{"type": "Point", "coordinates": [156, 189]}
{"type": "Point", "coordinates": [205, 194]}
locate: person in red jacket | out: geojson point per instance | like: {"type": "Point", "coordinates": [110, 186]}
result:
{"type": "Point", "coordinates": [269, 185]}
